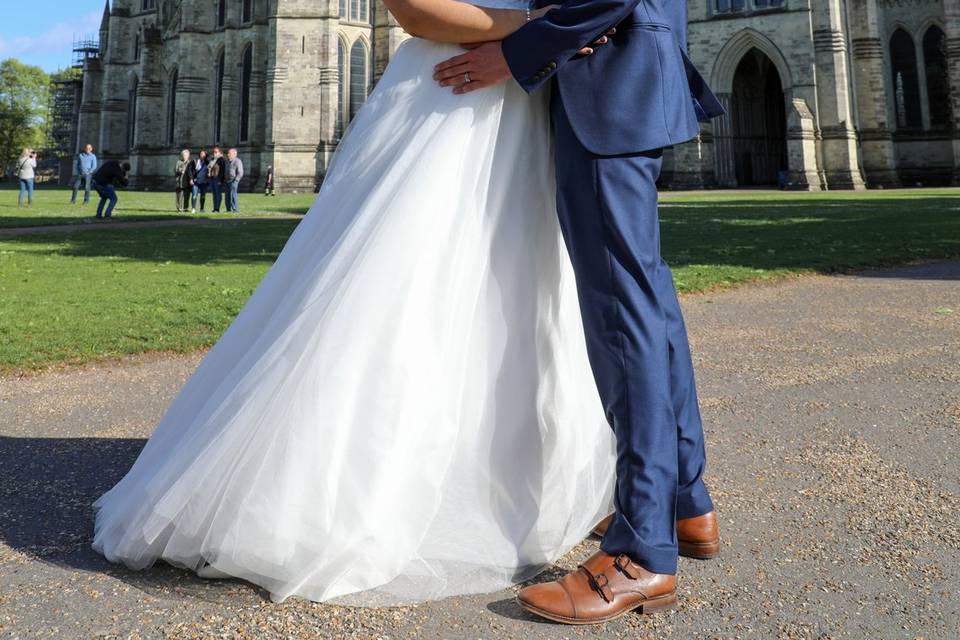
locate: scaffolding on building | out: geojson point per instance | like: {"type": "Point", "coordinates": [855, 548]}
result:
{"type": "Point", "coordinates": [66, 92]}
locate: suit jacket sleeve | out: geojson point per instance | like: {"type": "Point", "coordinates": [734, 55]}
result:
{"type": "Point", "coordinates": [538, 49]}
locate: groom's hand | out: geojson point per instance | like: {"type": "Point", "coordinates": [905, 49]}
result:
{"type": "Point", "coordinates": [482, 66]}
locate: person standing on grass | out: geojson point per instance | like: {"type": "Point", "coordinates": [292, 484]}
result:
{"type": "Point", "coordinates": [216, 175]}
{"type": "Point", "coordinates": [268, 189]}
{"type": "Point", "coordinates": [184, 173]}
{"type": "Point", "coordinates": [110, 175]}
{"type": "Point", "coordinates": [199, 182]}
{"type": "Point", "coordinates": [26, 172]}
{"type": "Point", "coordinates": [234, 175]}
{"type": "Point", "coordinates": [83, 168]}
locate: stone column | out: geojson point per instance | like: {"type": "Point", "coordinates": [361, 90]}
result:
{"type": "Point", "coordinates": [233, 45]}
{"type": "Point", "coordinates": [194, 90]}
{"type": "Point", "coordinates": [693, 162]}
{"type": "Point", "coordinates": [725, 169]}
{"type": "Point", "coordinates": [951, 11]}
{"type": "Point", "coordinates": [838, 148]}
{"type": "Point", "coordinates": [326, 94]}
{"type": "Point", "coordinates": [387, 36]}
{"type": "Point", "coordinates": [293, 109]}
{"type": "Point", "coordinates": [876, 138]}
{"type": "Point", "coordinates": [88, 123]}
{"type": "Point", "coordinates": [118, 64]}
{"type": "Point", "coordinates": [802, 172]}
{"type": "Point", "coordinates": [149, 141]}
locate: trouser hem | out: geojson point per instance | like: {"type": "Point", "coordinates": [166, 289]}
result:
{"type": "Point", "coordinates": [694, 503]}
{"type": "Point", "coordinates": [655, 560]}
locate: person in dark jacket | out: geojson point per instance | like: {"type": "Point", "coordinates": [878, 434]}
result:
{"type": "Point", "coordinates": [110, 175]}
{"type": "Point", "coordinates": [185, 173]}
{"type": "Point", "coordinates": [199, 182]}
{"type": "Point", "coordinates": [216, 177]}
{"type": "Point", "coordinates": [268, 189]}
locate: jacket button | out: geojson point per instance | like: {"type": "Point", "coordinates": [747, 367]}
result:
{"type": "Point", "coordinates": [552, 65]}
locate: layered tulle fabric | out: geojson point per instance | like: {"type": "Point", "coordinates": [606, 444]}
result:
{"type": "Point", "coordinates": [403, 410]}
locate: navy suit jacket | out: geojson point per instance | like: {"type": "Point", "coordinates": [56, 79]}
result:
{"type": "Point", "coordinates": [636, 93]}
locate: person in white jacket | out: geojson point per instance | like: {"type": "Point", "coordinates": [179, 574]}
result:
{"type": "Point", "coordinates": [26, 172]}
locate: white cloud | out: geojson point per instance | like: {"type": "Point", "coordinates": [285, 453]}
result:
{"type": "Point", "coordinates": [57, 40]}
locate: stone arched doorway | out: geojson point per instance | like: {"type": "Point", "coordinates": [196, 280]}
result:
{"type": "Point", "coordinates": [758, 122]}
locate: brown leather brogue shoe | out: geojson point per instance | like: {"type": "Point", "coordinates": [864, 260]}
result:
{"type": "Point", "coordinates": [601, 589]}
{"type": "Point", "coordinates": [698, 537]}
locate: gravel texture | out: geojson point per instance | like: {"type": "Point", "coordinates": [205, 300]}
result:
{"type": "Point", "coordinates": [832, 407]}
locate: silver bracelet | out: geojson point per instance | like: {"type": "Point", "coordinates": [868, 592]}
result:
{"type": "Point", "coordinates": [528, 14]}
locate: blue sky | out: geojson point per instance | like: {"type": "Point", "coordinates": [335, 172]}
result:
{"type": "Point", "coordinates": [41, 32]}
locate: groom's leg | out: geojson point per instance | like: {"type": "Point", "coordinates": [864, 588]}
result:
{"type": "Point", "coordinates": [608, 213]}
{"type": "Point", "coordinates": [693, 499]}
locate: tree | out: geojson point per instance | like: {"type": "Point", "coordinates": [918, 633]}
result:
{"type": "Point", "coordinates": [24, 98]}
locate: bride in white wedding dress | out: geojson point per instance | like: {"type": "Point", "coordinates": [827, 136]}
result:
{"type": "Point", "coordinates": [404, 409]}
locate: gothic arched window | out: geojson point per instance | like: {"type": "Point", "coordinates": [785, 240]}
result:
{"type": "Point", "coordinates": [359, 10]}
{"type": "Point", "coordinates": [172, 107]}
{"type": "Point", "coordinates": [341, 85]}
{"type": "Point", "coordinates": [343, 9]}
{"type": "Point", "coordinates": [218, 99]}
{"type": "Point", "coordinates": [132, 113]}
{"type": "Point", "coordinates": [906, 86]}
{"type": "Point", "coordinates": [938, 80]}
{"type": "Point", "coordinates": [221, 13]}
{"type": "Point", "coordinates": [247, 11]}
{"type": "Point", "coordinates": [358, 76]}
{"type": "Point", "coordinates": [246, 73]}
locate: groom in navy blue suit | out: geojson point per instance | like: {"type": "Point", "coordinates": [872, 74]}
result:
{"type": "Point", "coordinates": [613, 112]}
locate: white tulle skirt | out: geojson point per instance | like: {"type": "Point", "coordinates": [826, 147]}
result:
{"type": "Point", "coordinates": [403, 410]}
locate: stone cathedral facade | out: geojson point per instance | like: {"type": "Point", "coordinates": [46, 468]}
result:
{"type": "Point", "coordinates": [822, 94]}
{"type": "Point", "coordinates": [277, 79]}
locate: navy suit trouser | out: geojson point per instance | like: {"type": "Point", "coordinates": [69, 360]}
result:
{"type": "Point", "coordinates": [636, 342]}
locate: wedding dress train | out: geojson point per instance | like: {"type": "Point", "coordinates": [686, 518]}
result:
{"type": "Point", "coordinates": [403, 410]}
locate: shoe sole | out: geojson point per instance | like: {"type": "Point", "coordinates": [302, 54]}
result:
{"type": "Point", "coordinates": [700, 550]}
{"type": "Point", "coordinates": [650, 605]}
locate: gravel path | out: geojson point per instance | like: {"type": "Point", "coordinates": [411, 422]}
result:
{"type": "Point", "coordinates": [833, 413]}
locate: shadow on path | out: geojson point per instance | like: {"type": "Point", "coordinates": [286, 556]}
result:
{"type": "Point", "coordinates": [49, 485]}
{"type": "Point", "coordinates": [949, 270]}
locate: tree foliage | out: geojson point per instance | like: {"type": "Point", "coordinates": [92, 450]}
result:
{"type": "Point", "coordinates": [24, 99]}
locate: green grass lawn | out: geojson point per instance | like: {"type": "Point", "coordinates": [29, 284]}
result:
{"type": "Point", "coordinates": [51, 205]}
{"type": "Point", "coordinates": [77, 297]}
{"type": "Point", "coordinates": [105, 292]}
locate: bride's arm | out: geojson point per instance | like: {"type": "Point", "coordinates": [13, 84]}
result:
{"type": "Point", "coordinates": [458, 22]}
